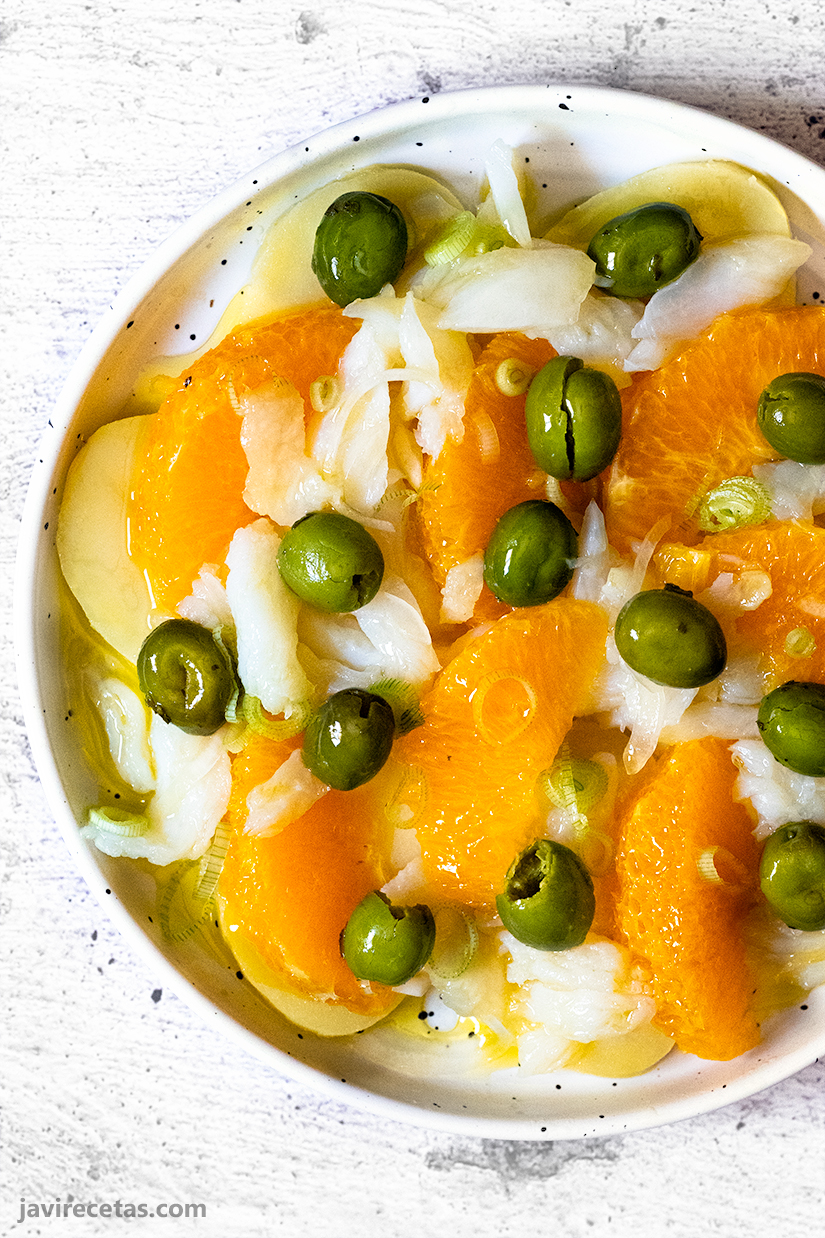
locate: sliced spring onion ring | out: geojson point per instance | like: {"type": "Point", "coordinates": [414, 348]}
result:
{"type": "Point", "coordinates": [188, 899]}
{"type": "Point", "coordinates": [403, 700]}
{"type": "Point", "coordinates": [800, 643]}
{"type": "Point", "coordinates": [513, 377]}
{"type": "Point", "coordinates": [325, 393]}
{"type": "Point", "coordinates": [718, 866]}
{"type": "Point", "coordinates": [406, 805]}
{"type": "Point", "coordinates": [456, 942]}
{"type": "Point", "coordinates": [596, 850]}
{"type": "Point", "coordinates": [274, 728]}
{"type": "Point", "coordinates": [211, 862]}
{"type": "Point", "coordinates": [180, 911]}
{"type": "Point", "coordinates": [573, 782]}
{"type": "Point", "coordinates": [488, 440]}
{"type": "Point", "coordinates": [451, 239]}
{"type": "Point", "coordinates": [734, 504]}
{"type": "Point", "coordinates": [119, 821]}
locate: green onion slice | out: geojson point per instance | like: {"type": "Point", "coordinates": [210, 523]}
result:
{"type": "Point", "coordinates": [188, 898]}
{"type": "Point", "coordinates": [119, 821]}
{"type": "Point", "coordinates": [451, 239]}
{"type": "Point", "coordinates": [325, 393]}
{"type": "Point", "coordinates": [573, 782]}
{"type": "Point", "coordinates": [734, 504]}
{"type": "Point", "coordinates": [799, 643]}
{"type": "Point", "coordinates": [180, 911]}
{"type": "Point", "coordinates": [402, 699]}
{"type": "Point", "coordinates": [456, 942]}
{"type": "Point", "coordinates": [406, 805]}
{"type": "Point", "coordinates": [274, 728]}
{"type": "Point", "coordinates": [513, 377]}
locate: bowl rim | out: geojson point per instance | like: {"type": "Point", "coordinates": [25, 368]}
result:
{"type": "Point", "coordinates": [376, 123]}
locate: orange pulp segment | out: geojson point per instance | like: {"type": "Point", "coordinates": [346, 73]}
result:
{"type": "Point", "coordinates": [692, 423]}
{"type": "Point", "coordinates": [793, 556]}
{"type": "Point", "coordinates": [187, 499]}
{"type": "Point", "coordinates": [474, 482]}
{"type": "Point", "coordinates": [689, 927]}
{"type": "Point", "coordinates": [293, 893]}
{"type": "Point", "coordinates": [495, 719]}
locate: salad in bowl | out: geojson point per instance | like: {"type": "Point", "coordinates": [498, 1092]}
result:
{"type": "Point", "coordinates": [445, 639]}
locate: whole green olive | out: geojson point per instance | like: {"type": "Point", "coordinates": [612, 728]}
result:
{"type": "Point", "coordinates": [349, 738]}
{"type": "Point", "coordinates": [791, 721]}
{"type": "Point", "coordinates": [360, 245]}
{"type": "Point", "coordinates": [792, 874]}
{"type": "Point", "coordinates": [385, 943]}
{"type": "Point", "coordinates": [639, 252]}
{"type": "Point", "coordinates": [331, 562]}
{"type": "Point", "coordinates": [186, 677]}
{"type": "Point", "coordinates": [531, 554]}
{"type": "Point", "coordinates": [669, 637]}
{"type": "Point", "coordinates": [791, 415]}
{"type": "Point", "coordinates": [574, 419]}
{"type": "Point", "coordinates": [548, 900]}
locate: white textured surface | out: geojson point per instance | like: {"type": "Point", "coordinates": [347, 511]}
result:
{"type": "Point", "coordinates": [119, 121]}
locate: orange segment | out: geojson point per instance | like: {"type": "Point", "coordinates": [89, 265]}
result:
{"type": "Point", "coordinates": [793, 555]}
{"type": "Point", "coordinates": [295, 892]}
{"type": "Point", "coordinates": [692, 424]}
{"type": "Point", "coordinates": [187, 500]}
{"type": "Point", "coordinates": [474, 482]}
{"type": "Point", "coordinates": [494, 720]}
{"type": "Point", "coordinates": [690, 929]}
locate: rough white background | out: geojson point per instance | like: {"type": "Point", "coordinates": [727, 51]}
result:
{"type": "Point", "coordinates": [119, 120]}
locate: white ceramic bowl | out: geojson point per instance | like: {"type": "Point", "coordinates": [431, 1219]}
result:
{"type": "Point", "coordinates": [578, 140]}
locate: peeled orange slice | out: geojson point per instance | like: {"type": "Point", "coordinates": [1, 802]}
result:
{"type": "Point", "coordinates": [493, 721]}
{"type": "Point", "coordinates": [291, 895]}
{"type": "Point", "coordinates": [687, 872]}
{"type": "Point", "coordinates": [787, 628]}
{"type": "Point", "coordinates": [187, 499]}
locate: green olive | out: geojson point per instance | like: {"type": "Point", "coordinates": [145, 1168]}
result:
{"type": "Point", "coordinates": [791, 415]}
{"type": "Point", "coordinates": [669, 637]}
{"type": "Point", "coordinates": [792, 874]}
{"type": "Point", "coordinates": [574, 419]}
{"type": "Point", "coordinates": [360, 245]}
{"type": "Point", "coordinates": [186, 677]}
{"type": "Point", "coordinates": [791, 721]}
{"type": "Point", "coordinates": [548, 901]}
{"type": "Point", "coordinates": [639, 252]}
{"type": "Point", "coordinates": [387, 944]}
{"type": "Point", "coordinates": [331, 562]}
{"type": "Point", "coordinates": [530, 557]}
{"type": "Point", "coordinates": [349, 738]}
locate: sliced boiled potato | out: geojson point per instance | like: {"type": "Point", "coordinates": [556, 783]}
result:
{"type": "Point", "coordinates": [622, 1057]}
{"type": "Point", "coordinates": [724, 200]}
{"type": "Point", "coordinates": [92, 537]}
{"type": "Point", "coordinates": [282, 277]}
{"type": "Point", "coordinates": [313, 1014]}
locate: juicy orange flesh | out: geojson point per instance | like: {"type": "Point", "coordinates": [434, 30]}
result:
{"type": "Point", "coordinates": [692, 423]}
{"type": "Point", "coordinates": [294, 892]}
{"type": "Point", "coordinates": [688, 928]}
{"type": "Point", "coordinates": [187, 500]}
{"type": "Point", "coordinates": [473, 483]}
{"type": "Point", "coordinates": [481, 808]}
{"type": "Point", "coordinates": [793, 555]}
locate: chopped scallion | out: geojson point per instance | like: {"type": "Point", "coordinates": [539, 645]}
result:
{"type": "Point", "coordinates": [119, 821]}
{"type": "Point", "coordinates": [512, 377]}
{"type": "Point", "coordinates": [734, 504]}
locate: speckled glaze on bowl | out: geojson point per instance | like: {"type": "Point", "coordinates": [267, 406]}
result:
{"type": "Point", "coordinates": [578, 140]}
